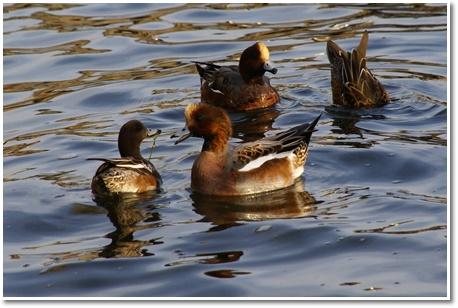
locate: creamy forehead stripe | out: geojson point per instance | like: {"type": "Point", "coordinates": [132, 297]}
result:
{"type": "Point", "coordinates": [190, 109]}
{"type": "Point", "coordinates": [263, 50]}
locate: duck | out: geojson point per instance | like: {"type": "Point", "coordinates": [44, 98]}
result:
{"type": "Point", "coordinates": [131, 173]}
{"type": "Point", "coordinates": [239, 88]}
{"type": "Point", "coordinates": [223, 169]}
{"type": "Point", "coordinates": [353, 84]}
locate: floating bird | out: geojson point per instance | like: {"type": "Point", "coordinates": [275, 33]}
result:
{"type": "Point", "coordinates": [267, 164]}
{"type": "Point", "coordinates": [131, 173]}
{"type": "Point", "coordinates": [353, 84]}
{"type": "Point", "coordinates": [239, 88]}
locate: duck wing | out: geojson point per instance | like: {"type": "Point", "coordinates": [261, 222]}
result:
{"type": "Point", "coordinates": [207, 70]}
{"type": "Point", "coordinates": [139, 165]}
{"type": "Point", "coordinates": [253, 154]}
{"type": "Point", "coordinates": [223, 79]}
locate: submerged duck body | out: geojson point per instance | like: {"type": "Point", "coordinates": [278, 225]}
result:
{"type": "Point", "coordinates": [239, 88]}
{"type": "Point", "coordinates": [353, 84]}
{"type": "Point", "coordinates": [267, 164]}
{"type": "Point", "coordinates": [131, 173]}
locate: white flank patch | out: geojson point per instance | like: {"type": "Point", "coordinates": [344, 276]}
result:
{"type": "Point", "coordinates": [131, 166]}
{"type": "Point", "coordinates": [298, 172]}
{"type": "Point", "coordinates": [259, 161]}
{"type": "Point", "coordinates": [216, 91]}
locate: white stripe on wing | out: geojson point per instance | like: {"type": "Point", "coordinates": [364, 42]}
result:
{"type": "Point", "coordinates": [260, 160]}
{"type": "Point", "coordinates": [132, 166]}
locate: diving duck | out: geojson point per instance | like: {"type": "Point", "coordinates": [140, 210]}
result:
{"type": "Point", "coordinates": [353, 84]}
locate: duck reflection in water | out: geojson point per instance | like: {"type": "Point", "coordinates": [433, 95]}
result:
{"type": "Point", "coordinates": [225, 212]}
{"type": "Point", "coordinates": [252, 125]}
{"type": "Point", "coordinates": [127, 216]}
{"type": "Point", "coordinates": [128, 213]}
{"type": "Point", "coordinates": [346, 119]}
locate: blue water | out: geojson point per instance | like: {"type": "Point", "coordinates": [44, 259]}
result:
{"type": "Point", "coordinates": [368, 218]}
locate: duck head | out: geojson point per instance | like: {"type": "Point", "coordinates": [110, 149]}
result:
{"type": "Point", "coordinates": [254, 62]}
{"type": "Point", "coordinates": [208, 122]}
{"type": "Point", "coordinates": [131, 136]}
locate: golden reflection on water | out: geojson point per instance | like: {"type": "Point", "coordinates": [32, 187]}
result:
{"type": "Point", "coordinates": [45, 91]}
{"type": "Point", "coordinates": [75, 47]}
{"type": "Point", "coordinates": [316, 30]}
{"type": "Point", "coordinates": [49, 6]}
{"type": "Point", "coordinates": [133, 218]}
{"type": "Point", "coordinates": [128, 217]}
{"type": "Point", "coordinates": [21, 149]}
{"type": "Point", "coordinates": [85, 128]}
{"type": "Point", "coordinates": [292, 202]}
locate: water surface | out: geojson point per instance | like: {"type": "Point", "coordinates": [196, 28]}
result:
{"type": "Point", "coordinates": [368, 218]}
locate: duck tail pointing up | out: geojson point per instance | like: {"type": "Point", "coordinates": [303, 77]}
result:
{"type": "Point", "coordinates": [294, 137]}
{"type": "Point", "coordinates": [311, 128]}
{"type": "Point", "coordinates": [313, 124]}
{"type": "Point", "coordinates": [352, 83]}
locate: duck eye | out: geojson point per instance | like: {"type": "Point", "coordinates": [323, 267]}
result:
{"type": "Point", "coordinates": [139, 127]}
{"type": "Point", "coordinates": [200, 117]}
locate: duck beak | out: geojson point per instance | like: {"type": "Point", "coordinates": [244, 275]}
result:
{"type": "Point", "coordinates": [269, 68]}
{"type": "Point", "coordinates": [153, 132]}
{"type": "Point", "coordinates": [185, 135]}
{"type": "Point", "coordinates": [183, 138]}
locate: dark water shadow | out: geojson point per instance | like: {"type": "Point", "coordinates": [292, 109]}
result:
{"type": "Point", "coordinates": [251, 126]}
{"type": "Point", "coordinates": [225, 212]}
{"type": "Point", "coordinates": [128, 214]}
{"type": "Point", "coordinates": [346, 119]}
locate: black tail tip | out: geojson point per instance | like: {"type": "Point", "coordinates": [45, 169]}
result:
{"type": "Point", "coordinates": [314, 122]}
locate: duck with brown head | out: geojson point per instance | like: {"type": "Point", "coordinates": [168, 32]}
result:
{"type": "Point", "coordinates": [131, 173]}
{"type": "Point", "coordinates": [264, 165]}
{"type": "Point", "coordinates": [243, 87]}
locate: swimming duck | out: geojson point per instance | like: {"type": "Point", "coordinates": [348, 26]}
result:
{"type": "Point", "coordinates": [131, 173]}
{"type": "Point", "coordinates": [239, 88]}
{"type": "Point", "coordinates": [353, 84]}
{"type": "Point", "coordinates": [267, 164]}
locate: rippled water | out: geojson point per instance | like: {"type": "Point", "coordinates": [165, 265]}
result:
{"type": "Point", "coordinates": [369, 217]}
